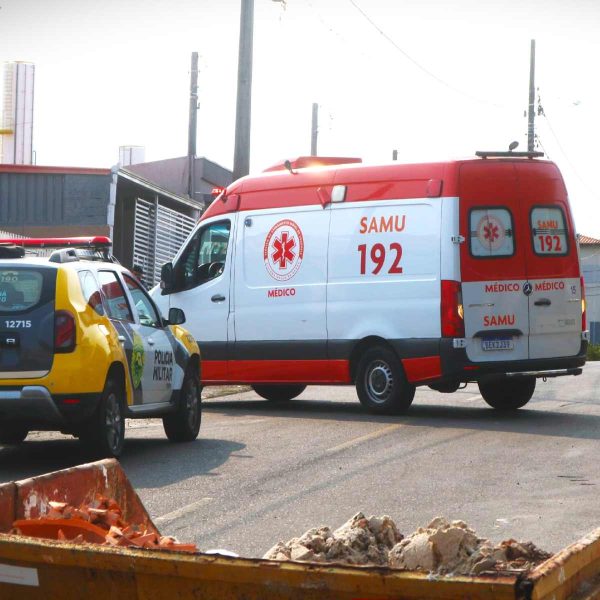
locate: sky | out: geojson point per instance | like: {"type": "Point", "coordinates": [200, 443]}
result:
{"type": "Point", "coordinates": [432, 79]}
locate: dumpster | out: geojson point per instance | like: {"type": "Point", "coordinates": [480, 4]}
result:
{"type": "Point", "coordinates": [36, 568]}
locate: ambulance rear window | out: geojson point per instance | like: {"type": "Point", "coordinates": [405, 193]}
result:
{"type": "Point", "coordinates": [20, 289]}
{"type": "Point", "coordinates": [491, 232]}
{"type": "Point", "coordinates": [549, 231]}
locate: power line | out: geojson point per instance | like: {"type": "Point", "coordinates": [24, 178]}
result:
{"type": "Point", "coordinates": [419, 65]}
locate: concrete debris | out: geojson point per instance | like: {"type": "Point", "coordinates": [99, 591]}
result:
{"type": "Point", "coordinates": [358, 541]}
{"type": "Point", "coordinates": [443, 547]}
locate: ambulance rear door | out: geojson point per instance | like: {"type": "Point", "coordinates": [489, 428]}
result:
{"type": "Point", "coordinates": [493, 262]}
{"type": "Point", "coordinates": [553, 266]}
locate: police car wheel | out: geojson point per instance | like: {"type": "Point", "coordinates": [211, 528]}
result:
{"type": "Point", "coordinates": [278, 393]}
{"type": "Point", "coordinates": [104, 434]}
{"type": "Point", "coordinates": [381, 384]}
{"type": "Point", "coordinates": [508, 394]}
{"type": "Point", "coordinates": [12, 435]}
{"type": "Point", "coordinates": [184, 425]}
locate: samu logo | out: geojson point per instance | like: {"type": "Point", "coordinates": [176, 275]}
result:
{"type": "Point", "coordinates": [283, 250]}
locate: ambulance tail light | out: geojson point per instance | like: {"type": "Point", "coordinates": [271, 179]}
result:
{"type": "Point", "coordinates": [64, 332]}
{"type": "Point", "coordinates": [583, 307]}
{"type": "Point", "coordinates": [453, 324]}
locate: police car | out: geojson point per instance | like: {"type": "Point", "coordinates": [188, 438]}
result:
{"type": "Point", "coordinates": [83, 347]}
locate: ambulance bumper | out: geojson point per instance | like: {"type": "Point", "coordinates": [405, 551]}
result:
{"type": "Point", "coordinates": [456, 366]}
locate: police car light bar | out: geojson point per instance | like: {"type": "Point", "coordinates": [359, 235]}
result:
{"type": "Point", "coordinates": [98, 241]}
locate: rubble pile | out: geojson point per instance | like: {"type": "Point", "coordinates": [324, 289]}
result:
{"type": "Point", "coordinates": [99, 522]}
{"type": "Point", "coordinates": [359, 541]}
{"type": "Point", "coordinates": [443, 547]}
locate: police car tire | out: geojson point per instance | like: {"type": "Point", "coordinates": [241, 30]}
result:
{"type": "Point", "coordinates": [182, 426]}
{"type": "Point", "coordinates": [12, 435]}
{"type": "Point", "coordinates": [96, 438]}
{"type": "Point", "coordinates": [508, 394]}
{"type": "Point", "coordinates": [279, 393]}
{"type": "Point", "coordinates": [381, 385]}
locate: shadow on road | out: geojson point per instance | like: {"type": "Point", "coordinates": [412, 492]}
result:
{"type": "Point", "coordinates": [481, 418]}
{"type": "Point", "coordinates": [149, 462]}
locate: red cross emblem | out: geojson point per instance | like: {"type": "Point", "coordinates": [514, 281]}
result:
{"type": "Point", "coordinates": [490, 232]}
{"type": "Point", "coordinates": [283, 250]}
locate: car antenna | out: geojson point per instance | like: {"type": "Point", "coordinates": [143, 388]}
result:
{"type": "Point", "coordinates": [288, 165]}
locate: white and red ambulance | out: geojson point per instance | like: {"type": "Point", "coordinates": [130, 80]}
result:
{"type": "Point", "coordinates": [327, 271]}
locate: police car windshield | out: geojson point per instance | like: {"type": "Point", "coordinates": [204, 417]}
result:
{"type": "Point", "coordinates": [20, 289]}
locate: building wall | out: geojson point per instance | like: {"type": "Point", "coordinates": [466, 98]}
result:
{"type": "Point", "coordinates": [590, 268]}
{"type": "Point", "coordinates": [53, 203]}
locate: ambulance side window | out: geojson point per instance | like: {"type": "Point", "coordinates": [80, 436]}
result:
{"type": "Point", "coordinates": [548, 231]}
{"type": "Point", "coordinates": [491, 232]}
{"type": "Point", "coordinates": [204, 257]}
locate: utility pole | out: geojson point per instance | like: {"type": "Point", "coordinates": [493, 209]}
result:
{"type": "Point", "coordinates": [531, 112]}
{"type": "Point", "coordinates": [241, 157]}
{"type": "Point", "coordinates": [192, 125]}
{"type": "Point", "coordinates": [314, 131]}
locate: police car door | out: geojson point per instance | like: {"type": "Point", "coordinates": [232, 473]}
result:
{"type": "Point", "coordinates": [136, 344]}
{"type": "Point", "coordinates": [159, 361]}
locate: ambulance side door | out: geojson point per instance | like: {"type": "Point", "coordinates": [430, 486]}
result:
{"type": "Point", "coordinates": [280, 294]}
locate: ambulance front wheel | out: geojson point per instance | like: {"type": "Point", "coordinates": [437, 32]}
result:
{"type": "Point", "coordinates": [278, 393]}
{"type": "Point", "coordinates": [381, 384]}
{"type": "Point", "coordinates": [507, 394]}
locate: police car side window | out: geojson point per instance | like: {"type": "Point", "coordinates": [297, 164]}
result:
{"type": "Point", "coordinates": [146, 311]}
{"type": "Point", "coordinates": [91, 291]}
{"type": "Point", "coordinates": [117, 306]}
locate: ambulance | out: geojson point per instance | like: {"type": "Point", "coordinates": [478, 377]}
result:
{"type": "Point", "coordinates": [328, 271]}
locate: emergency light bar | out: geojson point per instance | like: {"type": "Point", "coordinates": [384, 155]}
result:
{"type": "Point", "coordinates": [98, 241]}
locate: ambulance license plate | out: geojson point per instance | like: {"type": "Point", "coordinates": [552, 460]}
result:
{"type": "Point", "coordinates": [498, 344]}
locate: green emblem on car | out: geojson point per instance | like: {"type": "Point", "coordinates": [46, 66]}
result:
{"type": "Point", "coordinates": [137, 360]}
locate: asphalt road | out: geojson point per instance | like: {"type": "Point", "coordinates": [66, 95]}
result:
{"type": "Point", "coordinates": [260, 473]}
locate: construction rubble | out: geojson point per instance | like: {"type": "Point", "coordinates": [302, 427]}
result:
{"type": "Point", "coordinates": [443, 547]}
{"type": "Point", "coordinates": [99, 522]}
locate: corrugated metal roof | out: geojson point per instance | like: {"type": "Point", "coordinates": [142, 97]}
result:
{"type": "Point", "coordinates": [35, 169]}
{"type": "Point", "coordinates": [586, 240]}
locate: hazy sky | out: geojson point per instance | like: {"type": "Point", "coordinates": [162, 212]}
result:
{"type": "Point", "coordinates": [448, 78]}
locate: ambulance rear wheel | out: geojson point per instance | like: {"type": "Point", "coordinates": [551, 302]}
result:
{"type": "Point", "coordinates": [184, 425]}
{"type": "Point", "coordinates": [507, 394]}
{"type": "Point", "coordinates": [381, 384]}
{"type": "Point", "coordinates": [278, 393]}
{"type": "Point", "coordinates": [12, 435]}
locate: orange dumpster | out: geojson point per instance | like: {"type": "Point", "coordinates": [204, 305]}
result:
{"type": "Point", "coordinates": [36, 568]}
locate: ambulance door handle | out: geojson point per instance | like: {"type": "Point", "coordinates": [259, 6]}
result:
{"type": "Point", "coordinates": [218, 298]}
{"type": "Point", "coordinates": [489, 304]}
{"type": "Point", "coordinates": [543, 302]}
{"type": "Point", "coordinates": [151, 342]}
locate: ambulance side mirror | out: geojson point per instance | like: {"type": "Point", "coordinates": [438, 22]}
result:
{"type": "Point", "coordinates": [167, 279]}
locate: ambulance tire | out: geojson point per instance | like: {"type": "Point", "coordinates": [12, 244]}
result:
{"type": "Point", "coordinates": [11, 435]}
{"type": "Point", "coordinates": [381, 385]}
{"type": "Point", "coordinates": [103, 436]}
{"type": "Point", "coordinates": [508, 394]}
{"type": "Point", "coordinates": [184, 424]}
{"type": "Point", "coordinates": [278, 393]}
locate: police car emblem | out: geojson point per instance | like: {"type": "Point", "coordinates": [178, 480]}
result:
{"type": "Point", "coordinates": [527, 288]}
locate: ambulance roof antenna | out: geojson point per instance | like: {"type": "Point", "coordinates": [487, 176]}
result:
{"type": "Point", "coordinates": [512, 146]}
{"type": "Point", "coordinates": [288, 165]}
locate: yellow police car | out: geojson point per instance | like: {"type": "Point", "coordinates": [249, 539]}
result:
{"type": "Point", "coordinates": [83, 347]}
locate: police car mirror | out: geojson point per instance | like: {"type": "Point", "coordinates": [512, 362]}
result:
{"type": "Point", "coordinates": [176, 316]}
